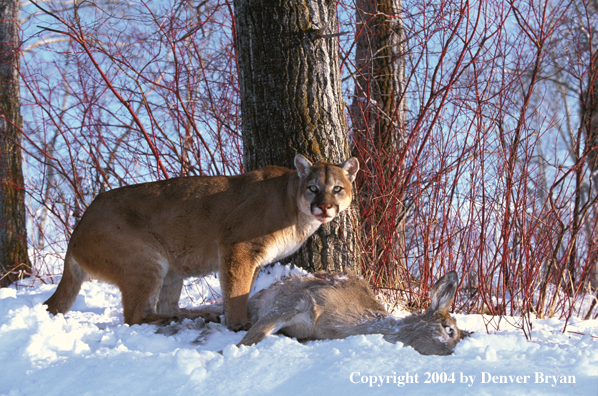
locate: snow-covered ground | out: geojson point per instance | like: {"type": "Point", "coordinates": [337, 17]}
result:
{"type": "Point", "coordinates": [90, 351]}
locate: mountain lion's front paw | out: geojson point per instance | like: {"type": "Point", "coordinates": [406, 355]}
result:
{"type": "Point", "coordinates": [239, 326]}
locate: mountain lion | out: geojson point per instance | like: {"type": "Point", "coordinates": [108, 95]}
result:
{"type": "Point", "coordinates": [147, 238]}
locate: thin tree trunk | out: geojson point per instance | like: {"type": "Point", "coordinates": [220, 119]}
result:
{"type": "Point", "coordinates": [378, 108]}
{"type": "Point", "coordinates": [14, 262]}
{"type": "Point", "coordinates": [378, 115]}
{"type": "Point", "coordinates": [589, 111]}
{"type": "Point", "coordinates": [291, 103]}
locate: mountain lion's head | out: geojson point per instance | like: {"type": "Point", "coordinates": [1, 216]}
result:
{"type": "Point", "coordinates": [325, 189]}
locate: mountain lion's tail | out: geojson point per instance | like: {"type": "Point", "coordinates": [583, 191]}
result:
{"type": "Point", "coordinates": [66, 293]}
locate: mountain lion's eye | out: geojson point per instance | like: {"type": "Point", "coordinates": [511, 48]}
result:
{"type": "Point", "coordinates": [313, 189]}
{"type": "Point", "coordinates": [337, 189]}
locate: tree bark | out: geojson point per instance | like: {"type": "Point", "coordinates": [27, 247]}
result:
{"type": "Point", "coordinates": [378, 115]}
{"type": "Point", "coordinates": [291, 102]}
{"type": "Point", "coordinates": [378, 108]}
{"type": "Point", "coordinates": [14, 262]}
{"type": "Point", "coordinates": [589, 112]}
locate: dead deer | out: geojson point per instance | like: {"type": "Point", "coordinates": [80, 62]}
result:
{"type": "Point", "coordinates": [328, 306]}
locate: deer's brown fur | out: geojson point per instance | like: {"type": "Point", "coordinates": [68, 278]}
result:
{"type": "Point", "coordinates": [332, 306]}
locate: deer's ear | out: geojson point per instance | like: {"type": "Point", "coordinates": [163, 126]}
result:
{"type": "Point", "coordinates": [443, 293]}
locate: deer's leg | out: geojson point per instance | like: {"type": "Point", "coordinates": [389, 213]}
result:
{"type": "Point", "coordinates": [265, 326]}
{"type": "Point", "coordinates": [210, 313]}
{"type": "Point", "coordinates": [292, 318]}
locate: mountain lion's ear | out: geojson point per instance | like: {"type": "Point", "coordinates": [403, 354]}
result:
{"type": "Point", "coordinates": [303, 165]}
{"type": "Point", "coordinates": [350, 166]}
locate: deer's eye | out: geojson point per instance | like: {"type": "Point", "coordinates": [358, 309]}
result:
{"type": "Point", "coordinates": [313, 189]}
{"type": "Point", "coordinates": [449, 331]}
{"type": "Point", "coordinates": [337, 189]}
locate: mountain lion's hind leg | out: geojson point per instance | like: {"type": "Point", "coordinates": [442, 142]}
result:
{"type": "Point", "coordinates": [141, 291]}
{"type": "Point", "coordinates": [168, 303]}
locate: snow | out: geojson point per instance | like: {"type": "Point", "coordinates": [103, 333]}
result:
{"type": "Point", "coordinates": [89, 351]}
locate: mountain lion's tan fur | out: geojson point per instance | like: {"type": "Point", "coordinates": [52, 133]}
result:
{"type": "Point", "coordinates": [148, 238]}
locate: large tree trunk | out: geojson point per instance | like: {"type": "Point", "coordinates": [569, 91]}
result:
{"type": "Point", "coordinates": [14, 262]}
{"type": "Point", "coordinates": [378, 114]}
{"type": "Point", "coordinates": [291, 103]}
